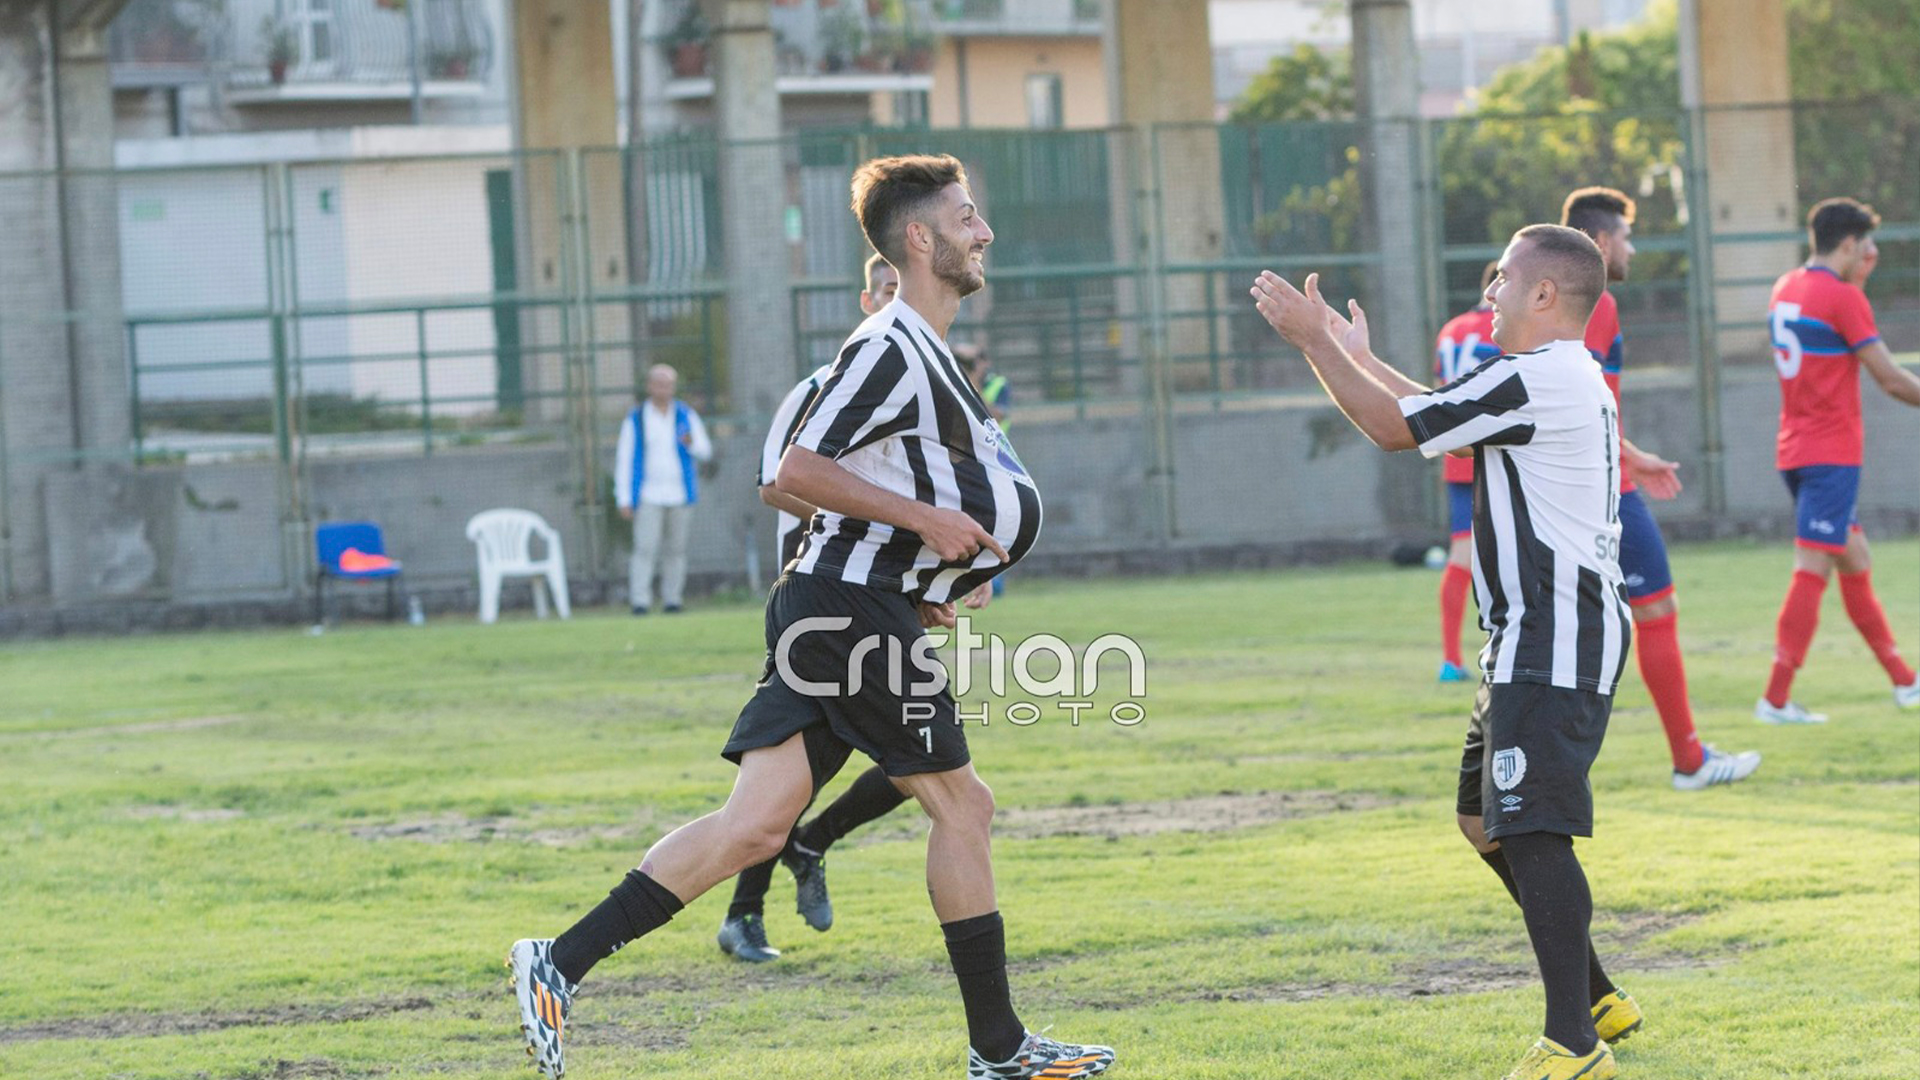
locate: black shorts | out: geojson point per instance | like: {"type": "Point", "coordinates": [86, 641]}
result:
{"type": "Point", "coordinates": [899, 715]}
{"type": "Point", "coordinates": [1524, 768]}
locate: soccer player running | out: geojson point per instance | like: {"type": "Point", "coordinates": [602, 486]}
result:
{"type": "Point", "coordinates": [921, 500]}
{"type": "Point", "coordinates": [1544, 435]}
{"type": "Point", "coordinates": [1466, 342]}
{"type": "Point", "coordinates": [1823, 333]}
{"type": "Point", "coordinates": [743, 935]}
{"type": "Point", "coordinates": [1606, 215]}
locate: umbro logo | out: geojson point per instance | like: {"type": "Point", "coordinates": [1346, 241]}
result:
{"type": "Point", "coordinates": [1822, 527]}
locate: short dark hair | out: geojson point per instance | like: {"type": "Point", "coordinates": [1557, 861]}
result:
{"type": "Point", "coordinates": [891, 191]}
{"type": "Point", "coordinates": [1831, 221]}
{"type": "Point", "coordinates": [866, 271]}
{"type": "Point", "coordinates": [1573, 263]}
{"type": "Point", "coordinates": [1593, 210]}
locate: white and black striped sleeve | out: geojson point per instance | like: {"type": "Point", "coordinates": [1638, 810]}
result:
{"type": "Point", "coordinates": [786, 421]}
{"type": "Point", "coordinates": [869, 396]}
{"type": "Point", "coordinates": [1487, 406]}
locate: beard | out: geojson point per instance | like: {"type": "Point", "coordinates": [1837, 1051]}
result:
{"type": "Point", "coordinates": [951, 264]}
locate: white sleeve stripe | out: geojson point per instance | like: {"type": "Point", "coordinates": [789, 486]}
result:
{"type": "Point", "coordinates": [840, 390]}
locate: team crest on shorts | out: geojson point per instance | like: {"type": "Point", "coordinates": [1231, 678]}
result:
{"type": "Point", "coordinates": [1509, 768]}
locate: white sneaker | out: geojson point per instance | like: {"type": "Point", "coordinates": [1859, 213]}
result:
{"type": "Point", "coordinates": [1717, 767]}
{"type": "Point", "coordinates": [1908, 696]}
{"type": "Point", "coordinates": [1791, 713]}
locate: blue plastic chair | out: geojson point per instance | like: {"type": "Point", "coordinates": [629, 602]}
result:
{"type": "Point", "coordinates": [330, 541]}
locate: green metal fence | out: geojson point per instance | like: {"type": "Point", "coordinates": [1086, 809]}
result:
{"type": "Point", "coordinates": [329, 310]}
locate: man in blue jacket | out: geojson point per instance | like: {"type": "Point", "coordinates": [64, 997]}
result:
{"type": "Point", "coordinates": [654, 485]}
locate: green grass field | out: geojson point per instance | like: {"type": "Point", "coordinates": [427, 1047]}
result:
{"type": "Point", "coordinates": [272, 855]}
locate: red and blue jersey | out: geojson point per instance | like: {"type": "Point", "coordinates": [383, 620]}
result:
{"type": "Point", "coordinates": [1818, 323]}
{"type": "Point", "coordinates": [1607, 348]}
{"type": "Point", "coordinates": [1465, 343]}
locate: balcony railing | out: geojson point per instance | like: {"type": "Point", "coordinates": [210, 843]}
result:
{"type": "Point", "coordinates": [352, 48]}
{"type": "Point", "coordinates": [1016, 17]}
{"type": "Point", "coordinates": [837, 39]}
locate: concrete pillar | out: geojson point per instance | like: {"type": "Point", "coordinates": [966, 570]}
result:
{"type": "Point", "coordinates": [1733, 66]}
{"type": "Point", "coordinates": [753, 206]}
{"type": "Point", "coordinates": [565, 100]}
{"type": "Point", "coordinates": [64, 418]}
{"type": "Point", "coordinates": [1167, 203]}
{"type": "Point", "coordinates": [1386, 77]}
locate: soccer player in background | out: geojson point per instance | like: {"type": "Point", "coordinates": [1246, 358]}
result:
{"type": "Point", "coordinates": [1542, 426]}
{"type": "Point", "coordinates": [1823, 333]}
{"type": "Point", "coordinates": [743, 935]}
{"type": "Point", "coordinates": [920, 501]}
{"type": "Point", "coordinates": [1466, 342]}
{"type": "Point", "coordinates": [1606, 216]}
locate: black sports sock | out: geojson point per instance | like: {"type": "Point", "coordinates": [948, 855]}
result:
{"type": "Point", "coordinates": [635, 908]}
{"type": "Point", "coordinates": [1557, 907]}
{"type": "Point", "coordinates": [750, 889]}
{"type": "Point", "coordinates": [1598, 985]}
{"type": "Point", "coordinates": [871, 796]}
{"type": "Point", "coordinates": [978, 947]}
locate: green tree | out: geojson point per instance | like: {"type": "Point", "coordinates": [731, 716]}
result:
{"type": "Point", "coordinates": [1305, 84]}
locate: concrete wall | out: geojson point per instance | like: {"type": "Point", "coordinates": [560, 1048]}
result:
{"type": "Point", "coordinates": [1262, 483]}
{"type": "Point", "coordinates": [995, 81]}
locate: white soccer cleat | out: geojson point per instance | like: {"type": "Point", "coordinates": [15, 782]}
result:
{"type": "Point", "coordinates": [1717, 767]}
{"type": "Point", "coordinates": [1908, 696]}
{"type": "Point", "coordinates": [1791, 713]}
{"type": "Point", "coordinates": [544, 999]}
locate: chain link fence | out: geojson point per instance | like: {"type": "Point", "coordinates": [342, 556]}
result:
{"type": "Point", "coordinates": [212, 360]}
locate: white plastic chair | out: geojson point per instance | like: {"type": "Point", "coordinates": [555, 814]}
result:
{"type": "Point", "coordinates": [505, 542]}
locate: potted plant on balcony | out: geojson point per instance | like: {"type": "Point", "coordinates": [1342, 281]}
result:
{"type": "Point", "coordinates": [687, 43]}
{"type": "Point", "coordinates": [450, 62]}
{"type": "Point", "coordinates": [842, 39]}
{"type": "Point", "coordinates": [918, 56]}
{"type": "Point", "coordinates": [283, 47]}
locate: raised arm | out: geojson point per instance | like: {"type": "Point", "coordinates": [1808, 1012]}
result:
{"type": "Point", "coordinates": [1357, 339]}
{"type": "Point", "coordinates": [1301, 318]}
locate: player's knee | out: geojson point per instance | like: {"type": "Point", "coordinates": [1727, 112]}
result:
{"type": "Point", "coordinates": [962, 802]}
{"type": "Point", "coordinates": [1475, 831]}
{"type": "Point", "coordinates": [755, 837]}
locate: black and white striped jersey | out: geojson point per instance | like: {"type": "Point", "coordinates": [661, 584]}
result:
{"type": "Point", "coordinates": [897, 411]}
{"type": "Point", "coordinates": [1546, 512]}
{"type": "Point", "coordinates": [786, 420]}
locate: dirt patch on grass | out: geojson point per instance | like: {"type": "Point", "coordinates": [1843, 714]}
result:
{"type": "Point", "coordinates": [184, 813]}
{"type": "Point", "coordinates": [1433, 976]}
{"type": "Point", "coordinates": [459, 828]}
{"type": "Point", "coordinates": [151, 728]}
{"type": "Point", "coordinates": [1205, 813]}
{"type": "Point", "coordinates": [148, 1025]}
{"type": "Point", "coordinates": [304, 1068]}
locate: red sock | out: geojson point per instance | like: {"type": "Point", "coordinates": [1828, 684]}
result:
{"type": "Point", "coordinates": [1864, 609]}
{"type": "Point", "coordinates": [1657, 643]}
{"type": "Point", "coordinates": [1453, 610]}
{"type": "Point", "coordinates": [1794, 632]}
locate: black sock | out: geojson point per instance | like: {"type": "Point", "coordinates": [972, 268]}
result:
{"type": "Point", "coordinates": [871, 796]}
{"type": "Point", "coordinates": [635, 908]}
{"type": "Point", "coordinates": [750, 889]}
{"type": "Point", "coordinates": [1557, 907]}
{"type": "Point", "coordinates": [1598, 985]}
{"type": "Point", "coordinates": [978, 947]}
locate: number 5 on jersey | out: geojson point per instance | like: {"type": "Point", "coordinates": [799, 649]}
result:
{"type": "Point", "coordinates": [1786, 344]}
